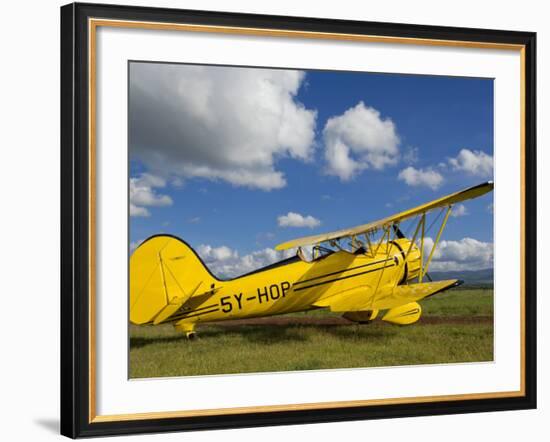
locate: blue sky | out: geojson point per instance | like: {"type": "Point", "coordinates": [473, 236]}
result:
{"type": "Point", "coordinates": [397, 141]}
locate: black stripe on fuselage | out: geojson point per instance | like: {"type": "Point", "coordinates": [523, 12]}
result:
{"type": "Point", "coordinates": [177, 318]}
{"type": "Point", "coordinates": [343, 277]}
{"type": "Point", "coordinates": [200, 309]}
{"type": "Point", "coordinates": [343, 270]}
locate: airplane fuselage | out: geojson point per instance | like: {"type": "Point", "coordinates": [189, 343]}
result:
{"type": "Point", "coordinates": [169, 283]}
{"type": "Point", "coordinates": [300, 285]}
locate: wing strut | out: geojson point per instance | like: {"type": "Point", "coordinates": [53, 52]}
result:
{"type": "Point", "coordinates": [413, 240]}
{"type": "Point", "coordinates": [369, 244]}
{"type": "Point", "coordinates": [438, 237]}
{"type": "Point", "coordinates": [423, 221]}
{"type": "Point", "coordinates": [388, 250]}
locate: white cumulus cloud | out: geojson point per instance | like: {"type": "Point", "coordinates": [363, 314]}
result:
{"type": "Point", "coordinates": [421, 177]}
{"type": "Point", "coordinates": [358, 139]}
{"type": "Point", "coordinates": [226, 263]}
{"type": "Point", "coordinates": [215, 254]}
{"type": "Point", "coordinates": [292, 219]}
{"type": "Point", "coordinates": [143, 194]}
{"type": "Point", "coordinates": [459, 210]}
{"type": "Point", "coordinates": [218, 123]}
{"type": "Point", "coordinates": [474, 162]}
{"type": "Point", "coordinates": [135, 244]}
{"type": "Point", "coordinates": [465, 254]}
{"type": "Point", "coordinates": [138, 211]}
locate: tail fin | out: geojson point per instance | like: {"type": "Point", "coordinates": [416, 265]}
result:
{"type": "Point", "coordinates": [164, 273]}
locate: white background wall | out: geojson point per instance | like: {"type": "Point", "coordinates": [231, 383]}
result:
{"type": "Point", "coordinates": [29, 220]}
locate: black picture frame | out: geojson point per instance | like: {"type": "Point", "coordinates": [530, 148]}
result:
{"type": "Point", "coordinates": [76, 418]}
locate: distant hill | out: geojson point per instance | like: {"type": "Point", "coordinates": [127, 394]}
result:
{"type": "Point", "coordinates": [470, 277]}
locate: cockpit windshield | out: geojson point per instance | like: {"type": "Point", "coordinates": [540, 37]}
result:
{"type": "Point", "coordinates": [313, 254]}
{"type": "Point", "coordinates": [317, 252]}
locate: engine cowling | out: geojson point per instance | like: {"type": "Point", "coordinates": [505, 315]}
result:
{"type": "Point", "coordinates": [413, 264]}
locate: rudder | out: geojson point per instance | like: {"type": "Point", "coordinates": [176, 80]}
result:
{"type": "Point", "coordinates": [164, 273]}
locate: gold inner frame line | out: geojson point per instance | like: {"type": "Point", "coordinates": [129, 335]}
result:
{"type": "Point", "coordinates": [299, 34]}
{"type": "Point", "coordinates": [93, 24]}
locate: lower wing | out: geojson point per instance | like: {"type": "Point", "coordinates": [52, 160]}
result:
{"type": "Point", "coordinates": [386, 298]}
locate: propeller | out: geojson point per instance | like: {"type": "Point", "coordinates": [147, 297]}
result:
{"type": "Point", "coordinates": [398, 231]}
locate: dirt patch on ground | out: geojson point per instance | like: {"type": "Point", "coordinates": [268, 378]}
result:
{"type": "Point", "coordinates": [285, 321]}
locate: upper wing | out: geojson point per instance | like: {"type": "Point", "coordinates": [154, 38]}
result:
{"type": "Point", "coordinates": [463, 195]}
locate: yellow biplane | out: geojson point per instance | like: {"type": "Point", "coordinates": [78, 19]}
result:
{"type": "Point", "coordinates": [357, 272]}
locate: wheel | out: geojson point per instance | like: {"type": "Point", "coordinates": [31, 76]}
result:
{"type": "Point", "coordinates": [361, 317]}
{"type": "Point", "coordinates": [191, 336]}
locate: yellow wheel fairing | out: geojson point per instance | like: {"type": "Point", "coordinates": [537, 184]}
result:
{"type": "Point", "coordinates": [404, 314]}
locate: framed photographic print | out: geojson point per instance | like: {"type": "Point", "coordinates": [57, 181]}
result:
{"type": "Point", "coordinates": [274, 220]}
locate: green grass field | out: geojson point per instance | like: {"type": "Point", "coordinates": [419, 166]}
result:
{"type": "Point", "coordinates": [456, 326]}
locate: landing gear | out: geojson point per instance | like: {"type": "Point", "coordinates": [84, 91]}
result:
{"type": "Point", "coordinates": [404, 314]}
{"type": "Point", "coordinates": [362, 316]}
{"type": "Point", "coordinates": [188, 328]}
